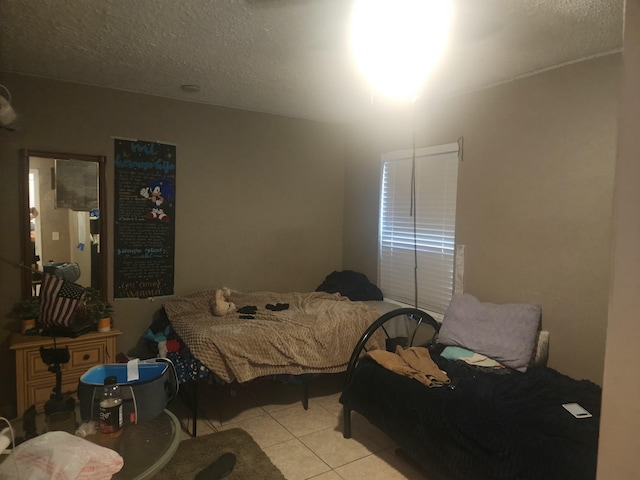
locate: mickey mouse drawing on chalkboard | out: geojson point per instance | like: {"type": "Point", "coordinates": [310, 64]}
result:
{"type": "Point", "coordinates": [158, 192]}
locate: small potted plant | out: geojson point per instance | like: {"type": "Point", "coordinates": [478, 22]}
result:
{"type": "Point", "coordinates": [102, 313]}
{"type": "Point", "coordinates": [95, 310]}
{"type": "Point", "coordinates": [27, 311]}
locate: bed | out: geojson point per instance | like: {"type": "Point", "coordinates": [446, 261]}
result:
{"type": "Point", "coordinates": [485, 423]}
{"type": "Point", "coordinates": [314, 334]}
{"type": "Point", "coordinates": [292, 336]}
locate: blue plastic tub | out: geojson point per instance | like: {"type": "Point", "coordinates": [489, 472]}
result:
{"type": "Point", "coordinates": [146, 372]}
{"type": "Point", "coordinates": [143, 399]}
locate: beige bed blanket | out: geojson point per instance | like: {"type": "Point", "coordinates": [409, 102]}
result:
{"type": "Point", "coordinates": [316, 334]}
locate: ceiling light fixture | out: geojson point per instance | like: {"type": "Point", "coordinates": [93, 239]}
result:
{"type": "Point", "coordinates": [190, 88]}
{"type": "Point", "coordinates": [396, 43]}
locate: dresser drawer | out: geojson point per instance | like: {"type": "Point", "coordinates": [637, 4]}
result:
{"type": "Point", "coordinates": [34, 381]}
{"type": "Point", "coordinates": [36, 368]}
{"type": "Point", "coordinates": [86, 356]}
{"type": "Point", "coordinates": [38, 393]}
{"type": "Point", "coordinates": [81, 357]}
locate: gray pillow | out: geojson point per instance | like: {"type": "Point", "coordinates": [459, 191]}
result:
{"type": "Point", "coordinates": [507, 333]}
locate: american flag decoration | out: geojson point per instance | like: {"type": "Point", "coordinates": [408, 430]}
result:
{"type": "Point", "coordinates": [58, 300]}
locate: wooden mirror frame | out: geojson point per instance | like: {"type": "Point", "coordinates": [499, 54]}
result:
{"type": "Point", "coordinates": [25, 243]}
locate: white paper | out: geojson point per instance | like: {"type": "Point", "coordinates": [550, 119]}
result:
{"type": "Point", "coordinates": [82, 231]}
{"type": "Point", "coordinates": [132, 370]}
{"type": "Point", "coordinates": [5, 439]}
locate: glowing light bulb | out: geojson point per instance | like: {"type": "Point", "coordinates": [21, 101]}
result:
{"type": "Point", "coordinates": [397, 43]}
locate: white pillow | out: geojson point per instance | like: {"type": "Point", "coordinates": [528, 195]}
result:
{"type": "Point", "coordinates": [506, 333]}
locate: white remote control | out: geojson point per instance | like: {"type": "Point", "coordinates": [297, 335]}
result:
{"type": "Point", "coordinates": [576, 410]}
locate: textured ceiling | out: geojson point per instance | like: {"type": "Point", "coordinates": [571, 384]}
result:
{"type": "Point", "coordinates": [287, 57]}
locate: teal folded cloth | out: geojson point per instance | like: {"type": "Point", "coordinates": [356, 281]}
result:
{"type": "Point", "coordinates": [456, 353]}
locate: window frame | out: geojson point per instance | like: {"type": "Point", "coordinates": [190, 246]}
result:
{"type": "Point", "coordinates": [442, 155]}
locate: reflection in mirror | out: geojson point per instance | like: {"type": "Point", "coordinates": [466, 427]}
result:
{"type": "Point", "coordinates": [64, 219]}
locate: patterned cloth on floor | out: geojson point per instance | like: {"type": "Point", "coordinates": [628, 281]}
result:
{"type": "Point", "coordinates": [188, 367]}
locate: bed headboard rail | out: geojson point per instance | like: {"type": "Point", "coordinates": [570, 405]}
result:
{"type": "Point", "coordinates": [420, 318]}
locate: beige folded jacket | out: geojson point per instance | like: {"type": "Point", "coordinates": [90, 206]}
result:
{"type": "Point", "coordinates": [414, 362]}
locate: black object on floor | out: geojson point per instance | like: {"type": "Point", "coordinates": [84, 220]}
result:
{"type": "Point", "coordinates": [249, 310]}
{"type": "Point", "coordinates": [219, 468]}
{"type": "Point", "coordinates": [277, 307]}
{"type": "Point", "coordinates": [28, 425]}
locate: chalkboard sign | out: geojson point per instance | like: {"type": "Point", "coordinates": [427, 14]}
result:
{"type": "Point", "coordinates": [145, 207]}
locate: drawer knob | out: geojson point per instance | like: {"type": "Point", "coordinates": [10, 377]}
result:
{"type": "Point", "coordinates": [86, 356]}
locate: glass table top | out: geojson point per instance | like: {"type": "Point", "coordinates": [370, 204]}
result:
{"type": "Point", "coordinates": [145, 448]}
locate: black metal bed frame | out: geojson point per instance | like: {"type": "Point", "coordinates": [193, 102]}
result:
{"type": "Point", "coordinates": [419, 316]}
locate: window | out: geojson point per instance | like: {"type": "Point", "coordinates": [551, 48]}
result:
{"type": "Point", "coordinates": [429, 253]}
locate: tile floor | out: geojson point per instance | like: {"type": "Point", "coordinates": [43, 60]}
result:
{"type": "Point", "coordinates": [303, 444]}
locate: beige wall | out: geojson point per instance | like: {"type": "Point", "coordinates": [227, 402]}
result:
{"type": "Point", "coordinates": [534, 197]}
{"type": "Point", "coordinates": [259, 197]}
{"type": "Point", "coordinates": [618, 451]}
{"type": "Point", "coordinates": [257, 193]}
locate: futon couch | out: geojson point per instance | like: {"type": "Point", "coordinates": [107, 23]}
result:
{"type": "Point", "coordinates": [499, 416]}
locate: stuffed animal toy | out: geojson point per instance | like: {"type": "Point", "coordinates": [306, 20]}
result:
{"type": "Point", "coordinates": [220, 304]}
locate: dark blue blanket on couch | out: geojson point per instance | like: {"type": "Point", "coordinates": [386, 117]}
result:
{"type": "Point", "coordinates": [491, 426]}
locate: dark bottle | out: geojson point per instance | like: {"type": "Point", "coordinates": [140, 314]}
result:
{"type": "Point", "coordinates": [111, 419]}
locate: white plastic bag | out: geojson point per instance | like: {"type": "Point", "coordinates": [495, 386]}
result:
{"type": "Point", "coordinates": [59, 455]}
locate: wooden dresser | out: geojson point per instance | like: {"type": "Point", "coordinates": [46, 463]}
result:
{"type": "Point", "coordinates": [34, 381]}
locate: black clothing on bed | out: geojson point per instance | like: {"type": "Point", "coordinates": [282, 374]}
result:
{"type": "Point", "coordinates": [248, 312]}
{"type": "Point", "coordinates": [278, 307]}
{"type": "Point", "coordinates": [356, 286]}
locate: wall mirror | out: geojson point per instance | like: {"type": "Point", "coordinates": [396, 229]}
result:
{"type": "Point", "coordinates": [63, 219]}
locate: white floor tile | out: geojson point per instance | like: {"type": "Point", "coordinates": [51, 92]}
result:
{"type": "Point", "coordinates": [222, 408]}
{"type": "Point", "coordinates": [329, 402]}
{"type": "Point", "coordinates": [303, 422]}
{"type": "Point", "coordinates": [264, 430]}
{"type": "Point", "coordinates": [303, 444]}
{"type": "Point", "coordinates": [278, 396]}
{"type": "Point", "coordinates": [296, 461]}
{"type": "Point", "coordinates": [378, 467]}
{"type": "Point", "coordinates": [335, 450]}
{"type": "Point", "coordinates": [331, 475]}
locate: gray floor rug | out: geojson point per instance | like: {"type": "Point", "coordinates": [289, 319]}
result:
{"type": "Point", "coordinates": [195, 454]}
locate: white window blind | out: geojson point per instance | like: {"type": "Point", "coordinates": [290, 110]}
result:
{"type": "Point", "coordinates": [436, 180]}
